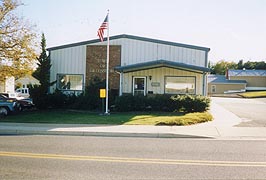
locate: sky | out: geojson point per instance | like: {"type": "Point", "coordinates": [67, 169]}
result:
{"type": "Point", "coordinates": [232, 29]}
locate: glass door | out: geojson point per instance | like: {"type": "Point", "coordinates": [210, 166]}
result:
{"type": "Point", "coordinates": [139, 86]}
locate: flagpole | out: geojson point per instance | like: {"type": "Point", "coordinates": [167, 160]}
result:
{"type": "Point", "coordinates": [107, 67]}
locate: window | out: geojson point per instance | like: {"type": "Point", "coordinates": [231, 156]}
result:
{"type": "Point", "coordinates": [213, 89]}
{"type": "Point", "coordinates": [180, 85]}
{"type": "Point", "coordinates": [70, 82]}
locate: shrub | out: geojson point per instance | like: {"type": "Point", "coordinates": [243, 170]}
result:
{"type": "Point", "coordinates": [57, 100]}
{"type": "Point", "coordinates": [39, 97]}
{"type": "Point", "coordinates": [192, 103]}
{"type": "Point", "coordinates": [124, 103]}
{"type": "Point", "coordinates": [167, 103]}
{"type": "Point", "coordinates": [162, 102]}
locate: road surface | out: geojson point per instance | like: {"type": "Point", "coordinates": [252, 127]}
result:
{"type": "Point", "coordinates": [74, 157]}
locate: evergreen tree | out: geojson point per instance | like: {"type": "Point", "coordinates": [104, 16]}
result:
{"type": "Point", "coordinates": [39, 93]}
{"type": "Point", "coordinates": [42, 73]}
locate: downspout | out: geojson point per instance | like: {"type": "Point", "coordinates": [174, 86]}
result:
{"type": "Point", "coordinates": [120, 83]}
{"type": "Point", "coordinates": [204, 90]}
{"type": "Point", "coordinates": [205, 85]}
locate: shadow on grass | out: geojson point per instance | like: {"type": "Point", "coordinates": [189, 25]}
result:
{"type": "Point", "coordinates": [83, 117]}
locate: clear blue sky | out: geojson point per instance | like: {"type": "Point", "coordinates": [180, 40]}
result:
{"type": "Point", "coordinates": [233, 29]}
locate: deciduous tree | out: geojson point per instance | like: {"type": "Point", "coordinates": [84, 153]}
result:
{"type": "Point", "coordinates": [221, 66]}
{"type": "Point", "coordinates": [17, 42]}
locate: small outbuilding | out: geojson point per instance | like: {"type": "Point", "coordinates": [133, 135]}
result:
{"type": "Point", "coordinates": [218, 84]}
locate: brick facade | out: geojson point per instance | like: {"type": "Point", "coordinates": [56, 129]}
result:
{"type": "Point", "coordinates": [96, 64]}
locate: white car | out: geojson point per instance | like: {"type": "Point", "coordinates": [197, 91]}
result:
{"type": "Point", "coordinates": [21, 93]}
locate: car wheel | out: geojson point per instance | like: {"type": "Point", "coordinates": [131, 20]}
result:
{"type": "Point", "coordinates": [3, 111]}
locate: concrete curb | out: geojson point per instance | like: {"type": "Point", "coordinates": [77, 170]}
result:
{"type": "Point", "coordinates": [100, 134]}
{"type": "Point", "coordinates": [158, 132]}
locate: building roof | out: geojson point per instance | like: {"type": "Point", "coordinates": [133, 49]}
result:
{"type": "Point", "coordinates": [160, 63]}
{"type": "Point", "coordinates": [221, 79]}
{"type": "Point", "coordinates": [131, 37]}
{"type": "Point", "coordinates": [232, 72]}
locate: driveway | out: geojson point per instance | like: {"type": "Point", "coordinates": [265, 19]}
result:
{"type": "Point", "coordinates": [251, 111]}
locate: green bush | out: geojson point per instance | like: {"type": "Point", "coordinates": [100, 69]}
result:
{"type": "Point", "coordinates": [124, 103]}
{"type": "Point", "coordinates": [39, 97]}
{"type": "Point", "coordinates": [57, 100]}
{"type": "Point", "coordinates": [162, 102]}
{"type": "Point", "coordinates": [166, 103]}
{"type": "Point", "coordinates": [192, 103]}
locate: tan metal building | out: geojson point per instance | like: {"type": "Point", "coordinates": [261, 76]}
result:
{"type": "Point", "coordinates": [218, 84]}
{"type": "Point", "coordinates": [256, 79]}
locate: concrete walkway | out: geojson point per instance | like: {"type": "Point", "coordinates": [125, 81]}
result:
{"type": "Point", "coordinates": [222, 127]}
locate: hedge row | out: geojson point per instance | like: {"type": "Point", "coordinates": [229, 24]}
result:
{"type": "Point", "coordinates": [174, 103]}
{"type": "Point", "coordinates": [126, 103]}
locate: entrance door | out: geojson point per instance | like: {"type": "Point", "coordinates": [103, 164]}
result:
{"type": "Point", "coordinates": [139, 86]}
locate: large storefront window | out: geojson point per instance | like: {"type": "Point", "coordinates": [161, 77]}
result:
{"type": "Point", "coordinates": [70, 82]}
{"type": "Point", "coordinates": [180, 85]}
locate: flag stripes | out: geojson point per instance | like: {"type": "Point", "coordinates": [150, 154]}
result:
{"type": "Point", "coordinates": [102, 28]}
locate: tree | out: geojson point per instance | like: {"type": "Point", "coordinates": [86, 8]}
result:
{"type": "Point", "coordinates": [17, 42]}
{"type": "Point", "coordinates": [42, 72]}
{"type": "Point", "coordinates": [221, 66]}
{"type": "Point", "coordinates": [255, 65]}
{"type": "Point", "coordinates": [249, 65]}
{"type": "Point", "coordinates": [39, 93]}
{"type": "Point", "coordinates": [260, 65]}
{"type": "Point", "coordinates": [240, 64]}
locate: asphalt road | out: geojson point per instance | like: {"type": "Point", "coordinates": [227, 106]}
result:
{"type": "Point", "coordinates": [73, 157]}
{"type": "Point", "coordinates": [251, 111]}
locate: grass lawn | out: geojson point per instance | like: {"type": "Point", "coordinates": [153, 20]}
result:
{"type": "Point", "coordinates": [254, 94]}
{"type": "Point", "coordinates": [74, 117]}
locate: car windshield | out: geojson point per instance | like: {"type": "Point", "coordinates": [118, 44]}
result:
{"type": "Point", "coordinates": [3, 96]}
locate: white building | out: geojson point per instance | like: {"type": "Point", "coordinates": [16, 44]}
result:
{"type": "Point", "coordinates": [8, 86]}
{"type": "Point", "coordinates": [138, 65]}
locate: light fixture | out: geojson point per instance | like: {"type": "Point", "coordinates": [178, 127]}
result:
{"type": "Point", "coordinates": [150, 77]}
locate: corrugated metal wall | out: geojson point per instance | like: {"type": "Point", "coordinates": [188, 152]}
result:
{"type": "Point", "coordinates": [136, 51]}
{"type": "Point", "coordinates": [72, 60]}
{"type": "Point", "coordinates": [68, 61]}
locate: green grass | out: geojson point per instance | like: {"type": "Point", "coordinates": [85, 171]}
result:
{"type": "Point", "coordinates": [255, 94]}
{"type": "Point", "coordinates": [74, 117]}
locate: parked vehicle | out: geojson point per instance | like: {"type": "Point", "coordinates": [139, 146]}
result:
{"type": "Point", "coordinates": [22, 103]}
{"type": "Point", "coordinates": [7, 107]}
{"type": "Point", "coordinates": [14, 95]}
{"type": "Point", "coordinates": [23, 92]}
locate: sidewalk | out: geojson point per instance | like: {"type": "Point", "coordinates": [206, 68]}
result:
{"type": "Point", "coordinates": [221, 127]}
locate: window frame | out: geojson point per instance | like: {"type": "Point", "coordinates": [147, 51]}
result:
{"type": "Point", "coordinates": [65, 74]}
{"type": "Point", "coordinates": [193, 77]}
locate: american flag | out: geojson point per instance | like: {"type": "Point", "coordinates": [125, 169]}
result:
{"type": "Point", "coordinates": [102, 28]}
